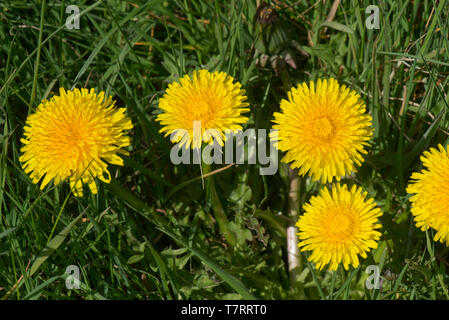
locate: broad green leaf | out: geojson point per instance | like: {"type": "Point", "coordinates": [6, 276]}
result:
{"type": "Point", "coordinates": [235, 283]}
{"type": "Point", "coordinates": [425, 139]}
{"type": "Point", "coordinates": [5, 233]}
{"type": "Point", "coordinates": [337, 26]}
{"type": "Point", "coordinates": [53, 245]}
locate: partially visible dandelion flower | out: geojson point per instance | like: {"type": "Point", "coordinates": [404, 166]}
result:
{"type": "Point", "coordinates": [430, 202]}
{"type": "Point", "coordinates": [323, 129]}
{"type": "Point", "coordinates": [71, 136]}
{"type": "Point", "coordinates": [213, 100]}
{"type": "Point", "coordinates": [338, 226]}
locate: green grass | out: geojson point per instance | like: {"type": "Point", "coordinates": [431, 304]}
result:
{"type": "Point", "coordinates": [151, 233]}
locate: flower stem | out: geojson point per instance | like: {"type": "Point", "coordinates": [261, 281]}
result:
{"type": "Point", "coordinates": [294, 183]}
{"type": "Point", "coordinates": [217, 208]}
{"type": "Point", "coordinates": [293, 255]}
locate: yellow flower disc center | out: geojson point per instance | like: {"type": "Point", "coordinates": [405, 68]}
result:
{"type": "Point", "coordinates": [75, 137]}
{"type": "Point", "coordinates": [322, 128]}
{"type": "Point", "coordinates": [204, 109]}
{"type": "Point", "coordinates": [341, 226]}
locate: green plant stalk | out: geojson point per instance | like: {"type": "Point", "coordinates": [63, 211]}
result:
{"type": "Point", "coordinates": [216, 206]}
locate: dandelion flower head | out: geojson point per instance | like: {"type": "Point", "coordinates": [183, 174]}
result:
{"type": "Point", "coordinates": [323, 128]}
{"type": "Point", "coordinates": [430, 200]}
{"type": "Point", "coordinates": [339, 225]}
{"type": "Point", "coordinates": [72, 136]}
{"type": "Point", "coordinates": [212, 100]}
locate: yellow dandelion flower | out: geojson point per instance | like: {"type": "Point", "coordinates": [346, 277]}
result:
{"type": "Point", "coordinates": [339, 225]}
{"type": "Point", "coordinates": [71, 135]}
{"type": "Point", "coordinates": [430, 202]}
{"type": "Point", "coordinates": [212, 99]}
{"type": "Point", "coordinates": [323, 129]}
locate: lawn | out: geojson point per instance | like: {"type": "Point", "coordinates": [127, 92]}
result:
{"type": "Point", "coordinates": [160, 230]}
